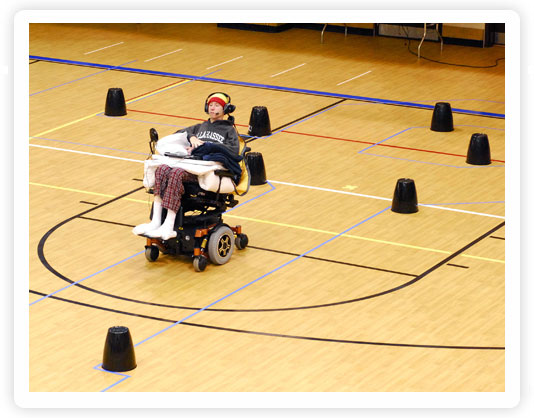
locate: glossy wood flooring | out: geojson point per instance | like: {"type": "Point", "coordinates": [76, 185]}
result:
{"type": "Point", "coordinates": [336, 292]}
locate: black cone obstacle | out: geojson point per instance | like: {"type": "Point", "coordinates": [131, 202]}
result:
{"type": "Point", "coordinates": [442, 118]}
{"type": "Point", "coordinates": [256, 168]}
{"type": "Point", "coordinates": [119, 353]}
{"type": "Point", "coordinates": [478, 152]}
{"type": "Point", "coordinates": [259, 124]}
{"type": "Point", "coordinates": [405, 197]}
{"type": "Point", "coordinates": [115, 103]}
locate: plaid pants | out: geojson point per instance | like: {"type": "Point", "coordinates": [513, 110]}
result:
{"type": "Point", "coordinates": [169, 185]}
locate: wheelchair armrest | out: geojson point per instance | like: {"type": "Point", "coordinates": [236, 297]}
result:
{"type": "Point", "coordinates": [244, 151]}
{"type": "Point", "coordinates": [223, 173]}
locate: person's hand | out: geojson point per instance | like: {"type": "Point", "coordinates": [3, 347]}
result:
{"type": "Point", "coordinates": [195, 142]}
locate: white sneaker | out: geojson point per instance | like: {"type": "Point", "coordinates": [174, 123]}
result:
{"type": "Point", "coordinates": [162, 233]}
{"type": "Point", "coordinates": [144, 228]}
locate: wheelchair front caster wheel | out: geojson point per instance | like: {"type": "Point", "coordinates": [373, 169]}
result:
{"type": "Point", "coordinates": [200, 263]}
{"type": "Point", "coordinates": [241, 241]}
{"type": "Point", "coordinates": [151, 253]}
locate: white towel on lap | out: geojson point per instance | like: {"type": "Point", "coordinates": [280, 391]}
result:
{"type": "Point", "coordinates": [175, 143]}
{"type": "Point", "coordinates": [207, 179]}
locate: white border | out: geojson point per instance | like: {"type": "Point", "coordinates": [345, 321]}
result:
{"type": "Point", "coordinates": [27, 399]}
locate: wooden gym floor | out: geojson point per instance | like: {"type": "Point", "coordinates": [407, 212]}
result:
{"type": "Point", "coordinates": [335, 293]}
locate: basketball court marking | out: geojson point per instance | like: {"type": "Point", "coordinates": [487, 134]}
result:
{"type": "Point", "coordinates": [380, 143]}
{"type": "Point", "coordinates": [277, 182]}
{"type": "Point", "coordinates": [250, 284]}
{"type": "Point", "coordinates": [87, 277]}
{"type": "Point", "coordinates": [81, 78]}
{"type": "Point", "coordinates": [270, 87]}
{"type": "Point", "coordinates": [284, 225]}
{"type": "Point", "coordinates": [163, 55]}
{"type": "Point", "coordinates": [225, 62]}
{"type": "Point", "coordinates": [290, 69]}
{"type": "Point", "coordinates": [353, 78]}
{"type": "Point", "coordinates": [100, 49]}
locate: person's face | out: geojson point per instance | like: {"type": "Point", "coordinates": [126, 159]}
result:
{"type": "Point", "coordinates": [215, 111]}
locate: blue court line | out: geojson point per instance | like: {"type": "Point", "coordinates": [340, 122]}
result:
{"type": "Point", "coordinates": [81, 78]}
{"type": "Point", "coordinates": [97, 367]}
{"type": "Point", "coordinates": [88, 277]}
{"type": "Point", "coordinates": [241, 288]}
{"type": "Point", "coordinates": [254, 198]}
{"type": "Point", "coordinates": [427, 162]}
{"type": "Point", "coordinates": [263, 276]}
{"type": "Point", "coordinates": [422, 127]}
{"type": "Point", "coordinates": [389, 137]}
{"type": "Point", "coordinates": [125, 376]}
{"type": "Point", "coordinates": [269, 86]}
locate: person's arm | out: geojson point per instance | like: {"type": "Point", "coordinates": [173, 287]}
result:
{"type": "Point", "coordinates": [190, 130]}
{"type": "Point", "coordinates": [191, 135]}
{"type": "Point", "coordinates": [232, 141]}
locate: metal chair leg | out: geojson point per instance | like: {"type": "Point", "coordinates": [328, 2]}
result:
{"type": "Point", "coordinates": [421, 43]}
{"type": "Point", "coordinates": [440, 38]}
{"type": "Point", "coordinates": [322, 32]}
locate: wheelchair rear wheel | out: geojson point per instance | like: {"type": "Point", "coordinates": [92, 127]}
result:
{"type": "Point", "coordinates": [221, 245]}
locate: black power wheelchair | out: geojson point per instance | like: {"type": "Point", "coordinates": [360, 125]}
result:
{"type": "Point", "coordinates": [200, 230]}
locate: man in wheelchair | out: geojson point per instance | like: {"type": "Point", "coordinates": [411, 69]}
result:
{"type": "Point", "coordinates": [193, 187]}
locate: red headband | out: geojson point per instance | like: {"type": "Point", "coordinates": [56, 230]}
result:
{"type": "Point", "coordinates": [217, 99]}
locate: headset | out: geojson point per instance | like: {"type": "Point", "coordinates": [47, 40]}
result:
{"type": "Point", "coordinates": [228, 107]}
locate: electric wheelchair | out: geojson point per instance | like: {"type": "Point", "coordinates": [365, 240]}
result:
{"type": "Point", "coordinates": [200, 229]}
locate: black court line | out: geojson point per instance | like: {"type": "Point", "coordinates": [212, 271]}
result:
{"type": "Point", "coordinates": [497, 237]}
{"type": "Point", "coordinates": [40, 251]}
{"type": "Point", "coordinates": [333, 261]}
{"type": "Point", "coordinates": [279, 252]}
{"type": "Point", "coordinates": [275, 130]}
{"type": "Point", "coordinates": [51, 269]}
{"type": "Point", "coordinates": [42, 241]}
{"type": "Point", "coordinates": [457, 265]}
{"type": "Point", "coordinates": [310, 114]}
{"type": "Point", "coordinates": [268, 334]}
{"type": "Point", "coordinates": [34, 61]}
{"type": "Point", "coordinates": [88, 203]}
{"type": "Point", "coordinates": [104, 221]}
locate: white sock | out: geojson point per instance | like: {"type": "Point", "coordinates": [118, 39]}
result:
{"type": "Point", "coordinates": [165, 231]}
{"type": "Point", "coordinates": [155, 223]}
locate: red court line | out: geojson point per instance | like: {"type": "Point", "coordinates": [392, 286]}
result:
{"type": "Point", "coordinates": [328, 137]}
{"type": "Point", "coordinates": [172, 116]}
{"type": "Point", "coordinates": [152, 91]}
{"type": "Point", "coordinates": [384, 145]}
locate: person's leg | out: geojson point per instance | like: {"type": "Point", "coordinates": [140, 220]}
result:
{"type": "Point", "coordinates": [162, 177]}
{"type": "Point", "coordinates": [171, 201]}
